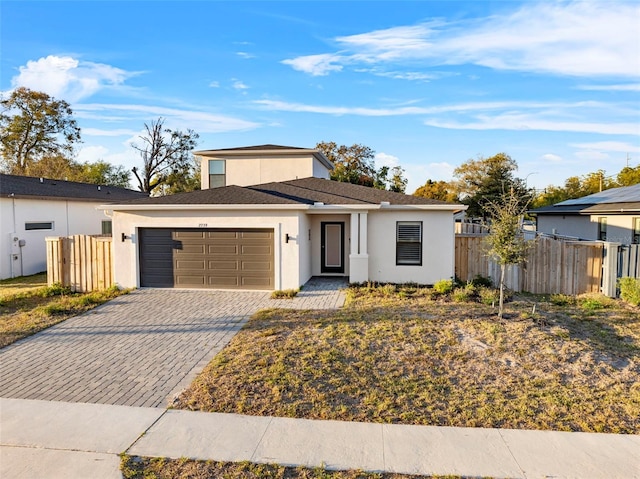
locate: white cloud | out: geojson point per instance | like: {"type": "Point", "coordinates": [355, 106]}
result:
{"type": "Point", "coordinates": [214, 84]}
{"type": "Point", "coordinates": [591, 155]}
{"type": "Point", "coordinates": [69, 78]}
{"type": "Point", "coordinates": [617, 146]}
{"type": "Point", "coordinates": [551, 157]}
{"type": "Point", "coordinates": [200, 121]}
{"type": "Point", "coordinates": [316, 65]}
{"type": "Point", "coordinates": [103, 132]}
{"type": "Point", "coordinates": [574, 38]}
{"type": "Point", "coordinates": [245, 55]}
{"type": "Point", "coordinates": [92, 153]}
{"type": "Point", "coordinates": [510, 121]}
{"type": "Point", "coordinates": [418, 174]}
{"type": "Point", "coordinates": [238, 85]}
{"type": "Point", "coordinates": [624, 87]}
{"type": "Point", "coordinates": [384, 159]}
{"type": "Point", "coordinates": [510, 115]}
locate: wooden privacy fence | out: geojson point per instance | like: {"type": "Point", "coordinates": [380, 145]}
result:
{"type": "Point", "coordinates": [552, 266]}
{"type": "Point", "coordinates": [83, 263]}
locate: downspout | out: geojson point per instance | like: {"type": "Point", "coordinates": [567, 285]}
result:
{"type": "Point", "coordinates": [13, 205]}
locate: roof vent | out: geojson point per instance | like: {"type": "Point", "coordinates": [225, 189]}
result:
{"type": "Point", "coordinates": [41, 180]}
{"type": "Point", "coordinates": [98, 187]}
{"type": "Point", "coordinates": [318, 203]}
{"type": "Point", "coordinates": [384, 203]}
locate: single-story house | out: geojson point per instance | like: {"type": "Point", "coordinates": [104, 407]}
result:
{"type": "Point", "coordinates": [610, 215]}
{"type": "Point", "coordinates": [278, 234]}
{"type": "Point", "coordinates": [34, 208]}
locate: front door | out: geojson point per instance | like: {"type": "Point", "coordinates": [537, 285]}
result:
{"type": "Point", "coordinates": [332, 247]}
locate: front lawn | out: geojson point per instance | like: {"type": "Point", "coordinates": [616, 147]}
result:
{"type": "Point", "coordinates": [28, 305]}
{"type": "Point", "coordinates": [160, 468]}
{"type": "Point", "coordinates": [403, 355]}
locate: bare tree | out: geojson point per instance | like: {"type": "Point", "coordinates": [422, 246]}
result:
{"type": "Point", "coordinates": [165, 153]}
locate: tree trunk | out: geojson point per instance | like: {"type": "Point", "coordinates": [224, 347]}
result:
{"type": "Point", "coordinates": [500, 308]}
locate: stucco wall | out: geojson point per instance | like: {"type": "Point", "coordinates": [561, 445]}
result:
{"type": "Point", "coordinates": [437, 247]}
{"type": "Point", "coordinates": [568, 225]}
{"type": "Point", "coordinates": [619, 227]}
{"type": "Point", "coordinates": [68, 217]}
{"type": "Point", "coordinates": [304, 244]}
{"type": "Point", "coordinates": [265, 169]}
{"type": "Point", "coordinates": [286, 255]}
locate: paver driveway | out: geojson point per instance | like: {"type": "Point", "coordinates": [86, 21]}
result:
{"type": "Point", "coordinates": [139, 349]}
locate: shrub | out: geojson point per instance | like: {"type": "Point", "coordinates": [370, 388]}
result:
{"type": "Point", "coordinates": [463, 295]}
{"type": "Point", "coordinates": [630, 290]}
{"type": "Point", "coordinates": [284, 294]}
{"type": "Point", "coordinates": [444, 286]}
{"type": "Point", "coordinates": [489, 296]}
{"type": "Point", "coordinates": [56, 289]}
{"type": "Point", "coordinates": [480, 280]}
{"type": "Point", "coordinates": [562, 299]}
{"type": "Point", "coordinates": [594, 301]}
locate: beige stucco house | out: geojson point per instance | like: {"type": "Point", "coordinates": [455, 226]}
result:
{"type": "Point", "coordinates": [279, 233]}
{"type": "Point", "coordinates": [610, 215]}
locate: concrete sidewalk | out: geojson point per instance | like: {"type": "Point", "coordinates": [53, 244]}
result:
{"type": "Point", "coordinates": [57, 439]}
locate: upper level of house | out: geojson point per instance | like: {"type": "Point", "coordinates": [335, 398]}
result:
{"type": "Point", "coordinates": [254, 165]}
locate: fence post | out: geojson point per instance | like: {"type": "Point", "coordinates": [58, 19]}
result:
{"type": "Point", "coordinates": [610, 269]}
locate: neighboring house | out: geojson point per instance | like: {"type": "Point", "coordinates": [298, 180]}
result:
{"type": "Point", "coordinates": [34, 208]}
{"type": "Point", "coordinates": [277, 235]}
{"type": "Point", "coordinates": [611, 215]}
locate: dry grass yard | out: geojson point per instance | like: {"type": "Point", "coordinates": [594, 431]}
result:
{"type": "Point", "coordinates": [402, 354]}
{"type": "Point", "coordinates": [28, 305]}
{"type": "Point", "coordinates": [159, 468]}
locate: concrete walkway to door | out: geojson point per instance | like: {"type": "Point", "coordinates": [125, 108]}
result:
{"type": "Point", "coordinates": [140, 349]}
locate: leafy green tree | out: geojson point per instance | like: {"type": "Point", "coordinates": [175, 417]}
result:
{"type": "Point", "coordinates": [183, 181]}
{"type": "Point", "coordinates": [438, 190]}
{"type": "Point", "coordinates": [104, 173]}
{"type": "Point", "coordinates": [505, 241]}
{"type": "Point", "coordinates": [164, 153]}
{"type": "Point", "coordinates": [355, 164]}
{"type": "Point", "coordinates": [485, 181]}
{"type": "Point", "coordinates": [629, 176]}
{"type": "Point", "coordinates": [398, 182]}
{"type": "Point", "coordinates": [34, 125]}
{"type": "Point", "coordinates": [352, 164]}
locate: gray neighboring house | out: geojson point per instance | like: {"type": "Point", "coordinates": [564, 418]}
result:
{"type": "Point", "coordinates": [611, 215]}
{"type": "Point", "coordinates": [33, 208]}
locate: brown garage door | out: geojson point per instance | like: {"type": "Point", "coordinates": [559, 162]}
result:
{"type": "Point", "coordinates": [206, 258]}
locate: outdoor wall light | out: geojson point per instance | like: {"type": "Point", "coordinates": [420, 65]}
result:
{"type": "Point", "coordinates": [125, 237]}
{"type": "Point", "coordinates": [286, 238]}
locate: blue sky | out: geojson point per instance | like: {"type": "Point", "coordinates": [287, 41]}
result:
{"type": "Point", "coordinates": [427, 85]}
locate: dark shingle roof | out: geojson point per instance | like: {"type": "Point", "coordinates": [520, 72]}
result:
{"type": "Point", "coordinates": [305, 191]}
{"type": "Point", "coordinates": [261, 147]}
{"type": "Point", "coordinates": [31, 187]}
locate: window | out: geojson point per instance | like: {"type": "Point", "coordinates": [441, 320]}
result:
{"type": "Point", "coordinates": [602, 229]}
{"type": "Point", "coordinates": [38, 225]}
{"type": "Point", "coordinates": [409, 243]}
{"type": "Point", "coordinates": [635, 239]}
{"type": "Point", "coordinates": [107, 227]}
{"type": "Point", "coordinates": [217, 173]}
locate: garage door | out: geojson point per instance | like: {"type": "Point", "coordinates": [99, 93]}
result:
{"type": "Point", "coordinates": [206, 258]}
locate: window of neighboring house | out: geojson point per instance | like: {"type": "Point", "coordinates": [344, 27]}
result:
{"type": "Point", "coordinates": [409, 243]}
{"type": "Point", "coordinates": [635, 239]}
{"type": "Point", "coordinates": [107, 227]}
{"type": "Point", "coordinates": [217, 173]}
{"type": "Point", "coordinates": [38, 225]}
{"type": "Point", "coordinates": [602, 229]}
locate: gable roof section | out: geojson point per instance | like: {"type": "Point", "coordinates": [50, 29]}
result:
{"type": "Point", "coordinates": [43, 188]}
{"type": "Point", "coordinates": [302, 192]}
{"type": "Point", "coordinates": [624, 200]}
{"type": "Point", "coordinates": [266, 150]}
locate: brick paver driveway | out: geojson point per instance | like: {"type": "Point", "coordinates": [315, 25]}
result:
{"type": "Point", "coordinates": [139, 349]}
